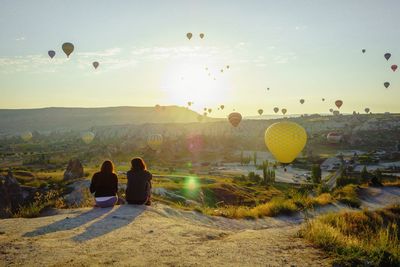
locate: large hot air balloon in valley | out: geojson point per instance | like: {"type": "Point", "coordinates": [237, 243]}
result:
{"type": "Point", "coordinates": [284, 110]}
{"type": "Point", "coordinates": [338, 103]}
{"type": "Point", "coordinates": [260, 111]}
{"type": "Point", "coordinates": [51, 53]}
{"type": "Point", "coordinates": [387, 56]}
{"type": "Point", "coordinates": [276, 110]}
{"type": "Point", "coordinates": [285, 140]}
{"type": "Point", "coordinates": [87, 137]}
{"type": "Point", "coordinates": [366, 110]}
{"type": "Point", "coordinates": [334, 138]}
{"type": "Point", "coordinates": [154, 141]}
{"type": "Point", "coordinates": [386, 84]}
{"type": "Point", "coordinates": [68, 48]}
{"type": "Point", "coordinates": [189, 35]}
{"type": "Point", "coordinates": [301, 101]}
{"type": "Point", "coordinates": [393, 67]}
{"type": "Point", "coordinates": [95, 64]}
{"type": "Point", "coordinates": [26, 136]}
{"type": "Point", "coordinates": [235, 118]}
{"type": "Point", "coordinates": [201, 35]}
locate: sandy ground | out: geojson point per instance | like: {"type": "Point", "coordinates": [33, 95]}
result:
{"type": "Point", "coordinates": [161, 236]}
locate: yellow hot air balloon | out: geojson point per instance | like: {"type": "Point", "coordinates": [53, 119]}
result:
{"type": "Point", "coordinates": [26, 136]}
{"type": "Point", "coordinates": [285, 140]}
{"type": "Point", "coordinates": [68, 48]}
{"type": "Point", "coordinates": [155, 141]}
{"type": "Point", "coordinates": [87, 137]}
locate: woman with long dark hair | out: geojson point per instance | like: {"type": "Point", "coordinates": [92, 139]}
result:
{"type": "Point", "coordinates": [138, 190]}
{"type": "Point", "coordinates": [104, 185]}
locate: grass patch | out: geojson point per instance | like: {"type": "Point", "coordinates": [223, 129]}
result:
{"type": "Point", "coordinates": [367, 238]}
{"type": "Point", "coordinates": [348, 196]}
{"type": "Point", "coordinates": [41, 201]}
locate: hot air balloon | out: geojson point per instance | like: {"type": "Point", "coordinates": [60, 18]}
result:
{"type": "Point", "coordinates": [235, 118]}
{"type": "Point", "coordinates": [386, 84]}
{"type": "Point", "coordinates": [331, 110]}
{"type": "Point", "coordinates": [334, 138]}
{"type": "Point", "coordinates": [154, 141]}
{"type": "Point", "coordinates": [189, 103]}
{"type": "Point", "coordinates": [260, 111]}
{"type": "Point", "coordinates": [51, 53]}
{"type": "Point", "coordinates": [227, 66]}
{"type": "Point", "coordinates": [158, 107]}
{"type": "Point", "coordinates": [201, 35]}
{"type": "Point", "coordinates": [206, 68]}
{"type": "Point", "coordinates": [95, 64]}
{"type": "Point", "coordinates": [323, 99]}
{"type": "Point", "coordinates": [26, 136]}
{"type": "Point", "coordinates": [394, 67]}
{"type": "Point", "coordinates": [209, 110]}
{"type": "Point", "coordinates": [284, 110]}
{"type": "Point", "coordinates": [387, 56]}
{"type": "Point", "coordinates": [366, 110]}
{"type": "Point", "coordinates": [276, 110]}
{"type": "Point", "coordinates": [363, 51]}
{"type": "Point", "coordinates": [189, 35]}
{"type": "Point", "coordinates": [338, 103]}
{"type": "Point", "coordinates": [205, 109]}
{"type": "Point", "coordinates": [68, 48]}
{"type": "Point", "coordinates": [200, 118]}
{"type": "Point", "coordinates": [285, 140]}
{"type": "Point", "coordinates": [268, 89]}
{"type": "Point", "coordinates": [222, 107]}
{"type": "Point", "coordinates": [302, 101]}
{"type": "Point", "coordinates": [87, 137]}
{"type": "Point", "coordinates": [336, 112]}
{"type": "Point", "coordinates": [222, 70]}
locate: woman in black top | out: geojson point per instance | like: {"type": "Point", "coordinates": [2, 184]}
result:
{"type": "Point", "coordinates": [105, 182]}
{"type": "Point", "coordinates": [138, 190]}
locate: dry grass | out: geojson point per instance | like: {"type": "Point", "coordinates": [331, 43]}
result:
{"type": "Point", "coordinates": [348, 195]}
{"type": "Point", "coordinates": [369, 238]}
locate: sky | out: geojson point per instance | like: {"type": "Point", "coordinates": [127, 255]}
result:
{"type": "Point", "coordinates": [303, 49]}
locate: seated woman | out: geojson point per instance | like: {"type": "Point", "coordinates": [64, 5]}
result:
{"type": "Point", "coordinates": [104, 185]}
{"type": "Point", "coordinates": [138, 190]}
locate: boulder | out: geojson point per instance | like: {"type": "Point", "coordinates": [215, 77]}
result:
{"type": "Point", "coordinates": [74, 170]}
{"type": "Point", "coordinates": [11, 195]}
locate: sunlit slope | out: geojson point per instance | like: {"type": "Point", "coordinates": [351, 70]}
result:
{"type": "Point", "coordinates": [50, 119]}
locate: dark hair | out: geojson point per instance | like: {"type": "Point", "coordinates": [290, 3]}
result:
{"type": "Point", "coordinates": [107, 167]}
{"type": "Point", "coordinates": [138, 164]}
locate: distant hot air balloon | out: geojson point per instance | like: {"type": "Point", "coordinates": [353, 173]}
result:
{"type": "Point", "coordinates": [363, 51]}
{"type": "Point", "coordinates": [222, 107]}
{"type": "Point", "coordinates": [87, 137]}
{"type": "Point", "coordinates": [386, 84]}
{"type": "Point", "coordinates": [366, 110]}
{"type": "Point", "coordinates": [301, 101]}
{"type": "Point", "coordinates": [95, 64]}
{"type": "Point", "coordinates": [268, 89]}
{"type": "Point", "coordinates": [336, 112]}
{"type": "Point", "coordinates": [222, 70]}
{"type": "Point", "coordinates": [26, 136]}
{"type": "Point", "coordinates": [338, 103]}
{"type": "Point", "coordinates": [189, 103]}
{"type": "Point", "coordinates": [227, 66]}
{"type": "Point", "coordinates": [323, 99]}
{"type": "Point", "coordinates": [200, 118]}
{"type": "Point", "coordinates": [276, 110]}
{"type": "Point", "coordinates": [201, 35]}
{"type": "Point", "coordinates": [51, 53]}
{"type": "Point", "coordinates": [284, 110]}
{"type": "Point", "coordinates": [334, 138]}
{"type": "Point", "coordinates": [68, 48]}
{"type": "Point", "coordinates": [189, 35]}
{"type": "Point", "coordinates": [209, 110]}
{"type": "Point", "coordinates": [331, 110]}
{"type": "Point", "coordinates": [394, 67]}
{"type": "Point", "coordinates": [205, 109]}
{"type": "Point", "coordinates": [154, 141]}
{"type": "Point", "coordinates": [387, 56]}
{"type": "Point", "coordinates": [205, 113]}
{"type": "Point", "coordinates": [206, 68]}
{"type": "Point", "coordinates": [235, 118]}
{"type": "Point", "coordinates": [158, 107]}
{"type": "Point", "coordinates": [260, 111]}
{"type": "Point", "coordinates": [285, 140]}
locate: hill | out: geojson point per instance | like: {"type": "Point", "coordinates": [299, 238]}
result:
{"type": "Point", "coordinates": [57, 118]}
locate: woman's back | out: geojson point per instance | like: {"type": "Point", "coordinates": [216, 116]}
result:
{"type": "Point", "coordinates": [104, 184]}
{"type": "Point", "coordinates": [139, 186]}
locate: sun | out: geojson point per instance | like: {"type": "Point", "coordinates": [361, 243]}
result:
{"type": "Point", "coordinates": [193, 80]}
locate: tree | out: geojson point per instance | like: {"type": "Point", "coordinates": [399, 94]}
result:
{"type": "Point", "coordinates": [268, 174]}
{"type": "Point", "coordinates": [364, 174]}
{"type": "Point", "coordinates": [255, 158]}
{"type": "Point", "coordinates": [316, 173]}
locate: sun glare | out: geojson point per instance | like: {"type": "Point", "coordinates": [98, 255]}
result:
{"type": "Point", "coordinates": [192, 80]}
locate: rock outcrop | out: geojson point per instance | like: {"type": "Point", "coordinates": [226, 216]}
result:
{"type": "Point", "coordinates": [11, 195]}
{"type": "Point", "coordinates": [74, 170]}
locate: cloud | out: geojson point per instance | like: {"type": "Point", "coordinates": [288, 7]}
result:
{"type": "Point", "coordinates": [105, 53]}
{"type": "Point", "coordinates": [22, 38]}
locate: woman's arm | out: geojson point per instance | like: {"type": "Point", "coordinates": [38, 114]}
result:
{"type": "Point", "coordinates": [115, 183]}
{"type": "Point", "coordinates": [93, 184]}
